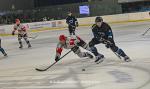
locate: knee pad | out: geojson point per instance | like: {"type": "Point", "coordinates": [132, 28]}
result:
{"type": "Point", "coordinates": [121, 52]}
{"type": "Point", "coordinates": [93, 42]}
{"type": "Point", "coordinates": [27, 41]}
{"type": "Point", "coordinates": [20, 42]}
{"type": "Point", "coordinates": [25, 38]}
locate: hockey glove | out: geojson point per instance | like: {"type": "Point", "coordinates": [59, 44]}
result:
{"type": "Point", "coordinates": [57, 58]}
{"type": "Point", "coordinates": [107, 45]}
{"type": "Point", "coordinates": [13, 33]}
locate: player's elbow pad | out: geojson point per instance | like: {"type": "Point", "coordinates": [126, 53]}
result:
{"type": "Point", "coordinates": [59, 50]}
{"type": "Point", "coordinates": [110, 34]}
{"type": "Point", "coordinates": [110, 37]}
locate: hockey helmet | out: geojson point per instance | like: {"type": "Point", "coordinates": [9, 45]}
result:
{"type": "Point", "coordinates": [17, 21]}
{"type": "Point", "coordinates": [62, 38]}
{"type": "Point", "coordinates": [98, 19]}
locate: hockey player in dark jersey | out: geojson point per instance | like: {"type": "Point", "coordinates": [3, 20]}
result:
{"type": "Point", "coordinates": [103, 34]}
{"type": "Point", "coordinates": [73, 43]}
{"type": "Point", "coordinates": [2, 50]}
{"type": "Point", "coordinates": [72, 23]}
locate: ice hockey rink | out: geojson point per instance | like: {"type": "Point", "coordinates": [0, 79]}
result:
{"type": "Point", "coordinates": [17, 71]}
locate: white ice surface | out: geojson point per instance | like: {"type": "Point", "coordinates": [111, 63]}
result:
{"type": "Point", "coordinates": [17, 71]}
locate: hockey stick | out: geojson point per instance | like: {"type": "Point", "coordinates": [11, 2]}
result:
{"type": "Point", "coordinates": [146, 31]}
{"type": "Point", "coordinates": [45, 69]}
{"type": "Point", "coordinates": [33, 37]}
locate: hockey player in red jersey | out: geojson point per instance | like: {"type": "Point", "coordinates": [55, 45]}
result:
{"type": "Point", "coordinates": [72, 43]}
{"type": "Point", "coordinates": [22, 33]}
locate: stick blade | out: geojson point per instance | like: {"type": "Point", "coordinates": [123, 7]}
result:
{"type": "Point", "coordinates": [40, 69]}
{"type": "Point", "coordinates": [35, 37]}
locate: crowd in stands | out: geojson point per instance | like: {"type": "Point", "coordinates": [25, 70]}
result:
{"type": "Point", "coordinates": [9, 18]}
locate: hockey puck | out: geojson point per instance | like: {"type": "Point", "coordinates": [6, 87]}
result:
{"type": "Point", "coordinates": [83, 69]}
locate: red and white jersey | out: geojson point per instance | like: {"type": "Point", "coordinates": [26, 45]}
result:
{"type": "Point", "coordinates": [70, 43]}
{"type": "Point", "coordinates": [20, 28]}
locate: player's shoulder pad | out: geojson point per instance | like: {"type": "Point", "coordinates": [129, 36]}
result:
{"type": "Point", "coordinates": [93, 26]}
{"type": "Point", "coordinates": [74, 17]}
{"type": "Point", "coordinates": [105, 23]}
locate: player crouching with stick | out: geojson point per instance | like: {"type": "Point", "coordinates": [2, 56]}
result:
{"type": "Point", "coordinates": [72, 43]}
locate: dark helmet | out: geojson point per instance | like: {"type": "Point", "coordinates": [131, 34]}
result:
{"type": "Point", "coordinates": [69, 12]}
{"type": "Point", "coordinates": [98, 19]}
